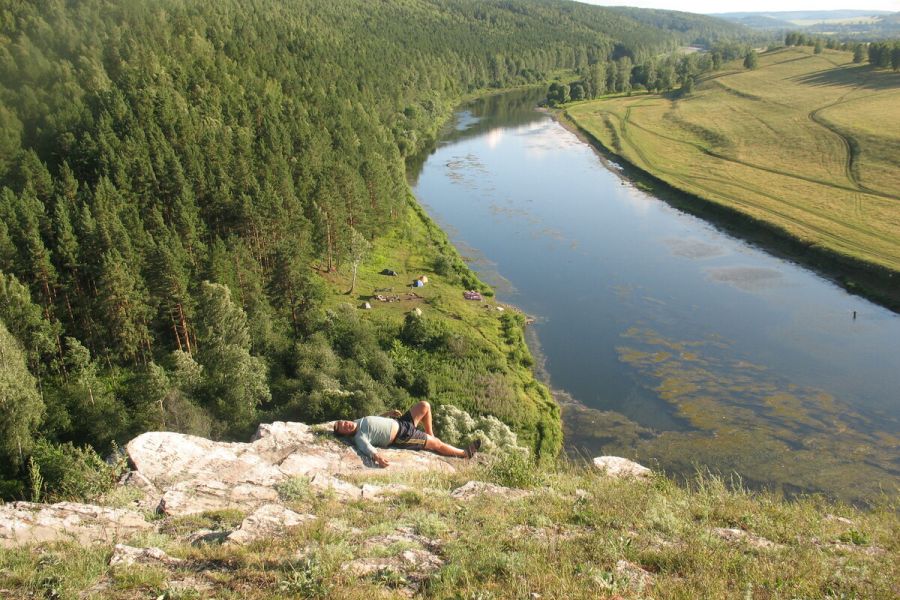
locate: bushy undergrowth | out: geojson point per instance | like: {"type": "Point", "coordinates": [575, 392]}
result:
{"type": "Point", "coordinates": [67, 472]}
{"type": "Point", "coordinates": [457, 427]}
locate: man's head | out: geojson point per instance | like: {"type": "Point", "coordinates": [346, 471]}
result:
{"type": "Point", "coordinates": [344, 427]}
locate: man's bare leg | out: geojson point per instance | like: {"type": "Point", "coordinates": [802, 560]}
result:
{"type": "Point", "coordinates": [439, 447]}
{"type": "Point", "coordinates": [421, 412]}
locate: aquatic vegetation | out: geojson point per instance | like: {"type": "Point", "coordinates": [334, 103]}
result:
{"type": "Point", "coordinates": [751, 421]}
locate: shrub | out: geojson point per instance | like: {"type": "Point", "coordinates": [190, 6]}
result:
{"type": "Point", "coordinates": [442, 265]}
{"type": "Point", "coordinates": [67, 472]}
{"type": "Point", "coordinates": [293, 489]}
{"type": "Point", "coordinates": [420, 331]}
{"type": "Point", "coordinates": [458, 427]}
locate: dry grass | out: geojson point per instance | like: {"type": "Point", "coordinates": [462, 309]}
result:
{"type": "Point", "coordinates": [809, 143]}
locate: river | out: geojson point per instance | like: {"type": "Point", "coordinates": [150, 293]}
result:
{"type": "Point", "coordinates": [666, 339]}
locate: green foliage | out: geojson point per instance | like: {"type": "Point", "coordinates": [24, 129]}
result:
{"type": "Point", "coordinates": [305, 579]}
{"type": "Point", "coordinates": [885, 55]}
{"type": "Point", "coordinates": [26, 322]}
{"type": "Point", "coordinates": [442, 265]}
{"type": "Point", "coordinates": [515, 470]}
{"type": "Point", "coordinates": [459, 428]}
{"type": "Point", "coordinates": [855, 537]}
{"type": "Point", "coordinates": [751, 60]}
{"type": "Point", "coordinates": [293, 489]}
{"type": "Point", "coordinates": [422, 331]}
{"type": "Point", "coordinates": [234, 381]}
{"type": "Point", "coordinates": [558, 93]}
{"type": "Point", "coordinates": [21, 407]}
{"type": "Point", "coordinates": [66, 472]}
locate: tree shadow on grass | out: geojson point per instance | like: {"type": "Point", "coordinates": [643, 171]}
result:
{"type": "Point", "coordinates": [863, 76]}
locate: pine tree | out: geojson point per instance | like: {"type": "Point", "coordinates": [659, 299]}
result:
{"type": "Point", "coordinates": [37, 336]}
{"type": "Point", "coordinates": [21, 406]}
{"type": "Point", "coordinates": [123, 310]}
{"type": "Point", "coordinates": [292, 287]}
{"type": "Point", "coordinates": [235, 383]}
{"type": "Point", "coordinates": [751, 60]}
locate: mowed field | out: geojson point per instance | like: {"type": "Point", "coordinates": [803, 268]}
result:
{"type": "Point", "coordinates": [807, 142]}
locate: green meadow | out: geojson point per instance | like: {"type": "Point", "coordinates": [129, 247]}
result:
{"type": "Point", "coordinates": [808, 143]}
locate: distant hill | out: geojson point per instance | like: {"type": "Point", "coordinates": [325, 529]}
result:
{"type": "Point", "coordinates": [863, 25]}
{"type": "Point", "coordinates": [763, 22]}
{"type": "Point", "coordinates": [705, 28]}
{"type": "Point", "coordinates": [804, 15]}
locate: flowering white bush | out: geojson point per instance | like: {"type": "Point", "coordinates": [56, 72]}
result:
{"type": "Point", "coordinates": [457, 427]}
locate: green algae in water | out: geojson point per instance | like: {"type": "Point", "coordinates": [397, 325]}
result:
{"type": "Point", "coordinates": [744, 419]}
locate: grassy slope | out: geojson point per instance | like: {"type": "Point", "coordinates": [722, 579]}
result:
{"type": "Point", "coordinates": [558, 543]}
{"type": "Point", "coordinates": [808, 143]}
{"type": "Point", "coordinates": [488, 336]}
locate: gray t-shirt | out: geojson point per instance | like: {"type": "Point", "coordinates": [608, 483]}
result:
{"type": "Point", "coordinates": [373, 432]}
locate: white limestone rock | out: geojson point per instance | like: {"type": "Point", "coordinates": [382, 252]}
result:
{"type": "Point", "coordinates": [128, 555]}
{"type": "Point", "coordinates": [637, 577]}
{"type": "Point", "coordinates": [26, 522]}
{"type": "Point", "coordinates": [737, 536]}
{"type": "Point", "coordinates": [266, 521]}
{"type": "Point", "coordinates": [617, 467]}
{"type": "Point", "coordinates": [477, 489]}
{"type": "Point", "coordinates": [193, 474]}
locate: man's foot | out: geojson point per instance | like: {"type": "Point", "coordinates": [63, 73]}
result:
{"type": "Point", "coordinates": [473, 448]}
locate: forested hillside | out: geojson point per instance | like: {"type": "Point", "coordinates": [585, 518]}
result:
{"type": "Point", "coordinates": [177, 176]}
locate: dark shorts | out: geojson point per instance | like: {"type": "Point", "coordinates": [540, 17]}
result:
{"type": "Point", "coordinates": [408, 436]}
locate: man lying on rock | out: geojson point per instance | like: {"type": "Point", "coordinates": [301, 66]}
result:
{"type": "Point", "coordinates": [399, 431]}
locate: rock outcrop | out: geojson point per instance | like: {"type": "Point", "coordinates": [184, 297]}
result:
{"type": "Point", "coordinates": [194, 475]}
{"type": "Point", "coordinates": [177, 475]}
{"type": "Point", "coordinates": [267, 520]}
{"type": "Point", "coordinates": [26, 522]}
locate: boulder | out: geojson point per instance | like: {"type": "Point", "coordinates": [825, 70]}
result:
{"type": "Point", "coordinates": [477, 489]}
{"type": "Point", "coordinates": [128, 555]}
{"type": "Point", "coordinates": [265, 521]}
{"type": "Point", "coordinates": [637, 577]}
{"type": "Point", "coordinates": [617, 467]}
{"type": "Point", "coordinates": [737, 536]}
{"type": "Point", "coordinates": [26, 522]}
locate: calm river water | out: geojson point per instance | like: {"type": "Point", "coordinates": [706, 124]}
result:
{"type": "Point", "coordinates": [668, 340]}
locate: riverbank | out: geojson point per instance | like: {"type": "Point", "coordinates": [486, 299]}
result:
{"type": "Point", "coordinates": [869, 281]}
{"type": "Point", "coordinates": [842, 226]}
{"type": "Point", "coordinates": [472, 353]}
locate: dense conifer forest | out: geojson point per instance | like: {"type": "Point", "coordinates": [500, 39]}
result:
{"type": "Point", "coordinates": [176, 175]}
